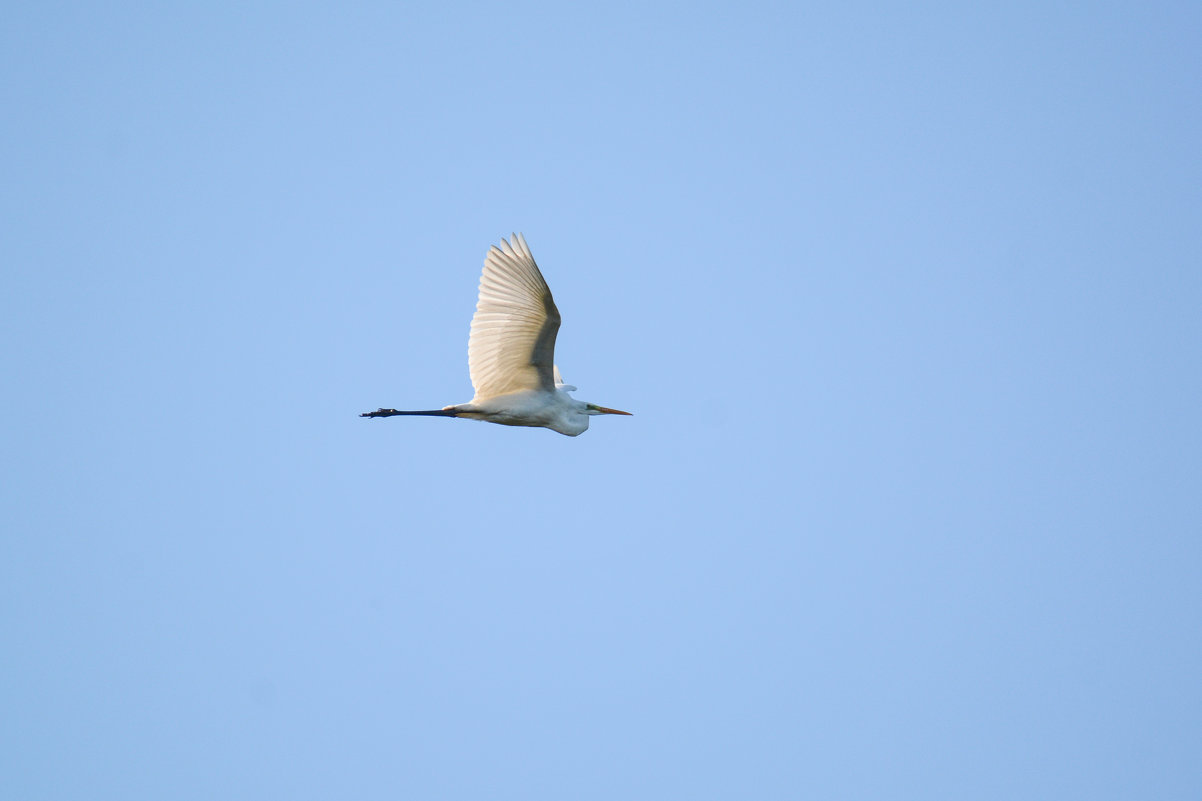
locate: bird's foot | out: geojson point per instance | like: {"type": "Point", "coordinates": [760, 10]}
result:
{"type": "Point", "coordinates": [380, 413]}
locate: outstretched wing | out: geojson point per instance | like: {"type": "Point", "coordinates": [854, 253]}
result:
{"type": "Point", "coordinates": [512, 345]}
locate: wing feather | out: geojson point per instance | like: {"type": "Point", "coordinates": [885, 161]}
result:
{"type": "Point", "coordinates": [512, 344]}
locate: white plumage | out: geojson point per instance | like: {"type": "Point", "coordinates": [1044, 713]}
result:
{"type": "Point", "coordinates": [512, 345]}
{"type": "Point", "coordinates": [511, 351]}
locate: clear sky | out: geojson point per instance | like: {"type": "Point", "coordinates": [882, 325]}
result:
{"type": "Point", "coordinates": [906, 299]}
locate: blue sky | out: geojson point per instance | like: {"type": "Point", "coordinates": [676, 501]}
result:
{"type": "Point", "coordinates": [905, 300]}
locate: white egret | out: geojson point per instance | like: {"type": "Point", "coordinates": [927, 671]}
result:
{"type": "Point", "coordinates": [511, 352]}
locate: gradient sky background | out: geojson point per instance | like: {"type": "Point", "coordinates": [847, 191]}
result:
{"type": "Point", "coordinates": [907, 302]}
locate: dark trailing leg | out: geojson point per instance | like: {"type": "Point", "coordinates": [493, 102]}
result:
{"type": "Point", "coordinates": [392, 412]}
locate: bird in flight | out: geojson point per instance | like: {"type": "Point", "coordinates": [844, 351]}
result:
{"type": "Point", "coordinates": [511, 352]}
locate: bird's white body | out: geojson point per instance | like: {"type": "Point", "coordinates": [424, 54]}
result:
{"type": "Point", "coordinates": [556, 410]}
{"type": "Point", "coordinates": [511, 351]}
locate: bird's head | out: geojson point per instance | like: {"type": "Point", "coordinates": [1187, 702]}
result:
{"type": "Point", "coordinates": [592, 408]}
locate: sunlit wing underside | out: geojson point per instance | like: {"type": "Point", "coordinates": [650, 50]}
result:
{"type": "Point", "coordinates": [512, 345]}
